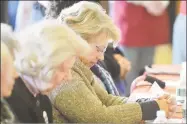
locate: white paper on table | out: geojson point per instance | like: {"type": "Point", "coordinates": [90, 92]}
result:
{"type": "Point", "coordinates": [153, 93]}
{"type": "Point", "coordinates": [156, 90]}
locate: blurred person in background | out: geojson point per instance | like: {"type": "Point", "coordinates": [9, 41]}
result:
{"type": "Point", "coordinates": [116, 65]}
{"type": "Point", "coordinates": [56, 6]}
{"type": "Point", "coordinates": [29, 12]}
{"type": "Point", "coordinates": [12, 12]}
{"type": "Point", "coordinates": [179, 35]}
{"type": "Point", "coordinates": [143, 25]}
{"type": "Point", "coordinates": [83, 99]}
{"type": "Point", "coordinates": [4, 11]}
{"type": "Point", "coordinates": [44, 59]}
{"type": "Point", "coordinates": [111, 4]}
{"type": "Point", "coordinates": [172, 16]}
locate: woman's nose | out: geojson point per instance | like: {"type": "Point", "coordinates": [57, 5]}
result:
{"type": "Point", "coordinates": [68, 76]}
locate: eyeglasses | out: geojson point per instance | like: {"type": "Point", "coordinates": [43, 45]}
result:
{"type": "Point", "coordinates": [101, 49]}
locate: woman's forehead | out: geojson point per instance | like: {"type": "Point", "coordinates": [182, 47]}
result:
{"type": "Point", "coordinates": [101, 43]}
{"type": "Point", "coordinates": [99, 40]}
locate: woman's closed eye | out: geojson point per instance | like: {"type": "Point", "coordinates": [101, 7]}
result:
{"type": "Point", "coordinates": [101, 49]}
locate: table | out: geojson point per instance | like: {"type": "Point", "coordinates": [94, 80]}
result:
{"type": "Point", "coordinates": [165, 77]}
{"type": "Point", "coordinates": [172, 68]}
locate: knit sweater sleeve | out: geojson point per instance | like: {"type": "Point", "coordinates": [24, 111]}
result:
{"type": "Point", "coordinates": [78, 103]}
{"type": "Point", "coordinates": [107, 99]}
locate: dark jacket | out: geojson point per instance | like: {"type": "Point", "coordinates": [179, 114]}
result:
{"type": "Point", "coordinates": [29, 109]}
{"type": "Point", "coordinates": [112, 65]}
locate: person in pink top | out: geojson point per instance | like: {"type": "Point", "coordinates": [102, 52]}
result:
{"type": "Point", "coordinates": [179, 35]}
{"type": "Point", "coordinates": [143, 25]}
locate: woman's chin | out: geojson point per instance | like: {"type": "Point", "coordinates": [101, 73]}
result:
{"type": "Point", "coordinates": [7, 94]}
{"type": "Point", "coordinates": [91, 64]}
{"type": "Point", "coordinates": [45, 92]}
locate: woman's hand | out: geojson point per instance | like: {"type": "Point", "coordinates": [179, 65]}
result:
{"type": "Point", "coordinates": [167, 103]}
{"type": "Point", "coordinates": [124, 64]}
{"type": "Point", "coordinates": [163, 105]}
{"type": "Point", "coordinates": [139, 81]}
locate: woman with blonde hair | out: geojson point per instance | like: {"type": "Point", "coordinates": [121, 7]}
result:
{"type": "Point", "coordinates": [82, 99]}
{"type": "Point", "coordinates": [47, 53]}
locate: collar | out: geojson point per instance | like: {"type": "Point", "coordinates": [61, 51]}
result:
{"type": "Point", "coordinates": [30, 84]}
{"type": "Point", "coordinates": [82, 69]}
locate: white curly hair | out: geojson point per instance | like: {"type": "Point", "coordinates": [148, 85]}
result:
{"type": "Point", "coordinates": [47, 44]}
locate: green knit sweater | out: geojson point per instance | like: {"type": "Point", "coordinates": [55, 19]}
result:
{"type": "Point", "coordinates": [83, 100]}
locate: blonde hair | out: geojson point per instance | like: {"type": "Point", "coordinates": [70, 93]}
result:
{"type": "Point", "coordinates": [89, 19]}
{"type": "Point", "coordinates": [47, 44]}
{"type": "Point", "coordinates": [8, 38]}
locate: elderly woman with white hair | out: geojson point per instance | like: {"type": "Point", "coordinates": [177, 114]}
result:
{"type": "Point", "coordinates": [47, 53]}
{"type": "Point", "coordinates": [83, 100]}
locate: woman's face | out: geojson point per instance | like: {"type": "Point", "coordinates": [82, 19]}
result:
{"type": "Point", "coordinates": [8, 77]}
{"type": "Point", "coordinates": [62, 73]}
{"type": "Point", "coordinates": [98, 44]}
